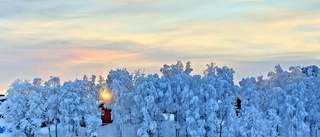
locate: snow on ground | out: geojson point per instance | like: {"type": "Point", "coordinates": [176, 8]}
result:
{"type": "Point", "coordinates": [5, 134]}
{"type": "Point", "coordinates": [168, 129]}
{"type": "Point", "coordinates": [107, 130]}
{"type": "Point", "coordinates": [3, 124]}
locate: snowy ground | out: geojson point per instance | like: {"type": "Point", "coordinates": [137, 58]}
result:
{"type": "Point", "coordinates": [108, 130]}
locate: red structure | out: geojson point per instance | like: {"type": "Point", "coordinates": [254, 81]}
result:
{"type": "Point", "coordinates": [105, 114]}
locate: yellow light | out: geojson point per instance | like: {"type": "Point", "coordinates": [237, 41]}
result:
{"type": "Point", "coordinates": [105, 95]}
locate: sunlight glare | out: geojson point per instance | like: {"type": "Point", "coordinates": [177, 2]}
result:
{"type": "Point", "coordinates": [105, 95]}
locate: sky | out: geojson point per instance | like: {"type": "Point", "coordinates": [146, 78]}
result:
{"type": "Point", "coordinates": [69, 39]}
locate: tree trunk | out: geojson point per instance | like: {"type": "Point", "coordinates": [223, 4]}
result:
{"type": "Point", "coordinates": [48, 125]}
{"type": "Point", "coordinates": [150, 133]}
{"type": "Point", "coordinates": [277, 131]}
{"type": "Point", "coordinates": [49, 131]}
{"type": "Point", "coordinates": [75, 128]}
{"type": "Point", "coordinates": [120, 130]}
{"type": "Point", "coordinates": [176, 120]}
{"type": "Point", "coordinates": [177, 133]}
{"type": "Point", "coordinates": [220, 130]}
{"type": "Point", "coordinates": [187, 135]}
{"type": "Point", "coordinates": [221, 127]}
{"type": "Point", "coordinates": [56, 127]}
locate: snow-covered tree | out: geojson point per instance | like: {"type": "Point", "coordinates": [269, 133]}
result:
{"type": "Point", "coordinates": [121, 85]}
{"type": "Point", "coordinates": [273, 122]}
{"type": "Point", "coordinates": [295, 114]}
{"type": "Point", "coordinates": [209, 103]}
{"type": "Point", "coordinates": [101, 80]}
{"type": "Point", "coordinates": [93, 78]}
{"type": "Point", "coordinates": [177, 78]}
{"type": "Point", "coordinates": [195, 124]}
{"type": "Point", "coordinates": [146, 100]}
{"type": "Point", "coordinates": [224, 86]}
{"type": "Point", "coordinates": [312, 105]}
{"type": "Point", "coordinates": [35, 114]}
{"type": "Point", "coordinates": [52, 95]}
{"type": "Point", "coordinates": [287, 94]}
{"type": "Point", "coordinates": [311, 70]}
{"type": "Point", "coordinates": [283, 104]}
{"type": "Point", "coordinates": [78, 108]}
{"type": "Point", "coordinates": [251, 118]}
{"type": "Point", "coordinates": [90, 111]}
{"type": "Point", "coordinates": [70, 117]}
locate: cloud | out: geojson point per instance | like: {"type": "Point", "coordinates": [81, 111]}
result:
{"type": "Point", "coordinates": [307, 28]}
{"type": "Point", "coordinates": [45, 9]}
{"type": "Point", "coordinates": [41, 38]}
{"type": "Point", "coordinates": [57, 58]}
{"type": "Point", "coordinates": [247, 0]}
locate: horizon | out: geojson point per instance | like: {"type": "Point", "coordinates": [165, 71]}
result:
{"type": "Point", "coordinates": [73, 38]}
{"type": "Point", "coordinates": [236, 77]}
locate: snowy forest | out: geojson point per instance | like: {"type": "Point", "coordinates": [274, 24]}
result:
{"type": "Point", "coordinates": [285, 103]}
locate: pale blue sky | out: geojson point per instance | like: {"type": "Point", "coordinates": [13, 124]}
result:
{"type": "Point", "coordinates": [42, 38]}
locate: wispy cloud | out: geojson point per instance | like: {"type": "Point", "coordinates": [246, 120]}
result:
{"type": "Point", "coordinates": [247, 0]}
{"type": "Point", "coordinates": [72, 38]}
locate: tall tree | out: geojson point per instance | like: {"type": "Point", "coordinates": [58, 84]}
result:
{"type": "Point", "coordinates": [251, 117]}
{"type": "Point", "coordinates": [121, 85]}
{"type": "Point", "coordinates": [146, 100]}
{"type": "Point", "coordinates": [295, 113]}
{"type": "Point", "coordinates": [78, 107]}
{"type": "Point", "coordinates": [35, 114]}
{"type": "Point", "coordinates": [16, 106]}
{"type": "Point", "coordinates": [223, 83]}
{"type": "Point", "coordinates": [177, 78]}
{"type": "Point", "coordinates": [52, 96]}
{"type": "Point", "coordinates": [209, 105]}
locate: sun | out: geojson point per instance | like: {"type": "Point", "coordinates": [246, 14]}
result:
{"type": "Point", "coordinates": [105, 95]}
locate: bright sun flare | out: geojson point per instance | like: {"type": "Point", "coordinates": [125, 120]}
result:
{"type": "Point", "coordinates": [105, 95]}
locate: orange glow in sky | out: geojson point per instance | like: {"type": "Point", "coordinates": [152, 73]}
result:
{"type": "Point", "coordinates": [69, 39]}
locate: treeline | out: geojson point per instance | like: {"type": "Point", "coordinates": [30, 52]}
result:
{"type": "Point", "coordinates": [283, 104]}
{"type": "Point", "coordinates": [29, 106]}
